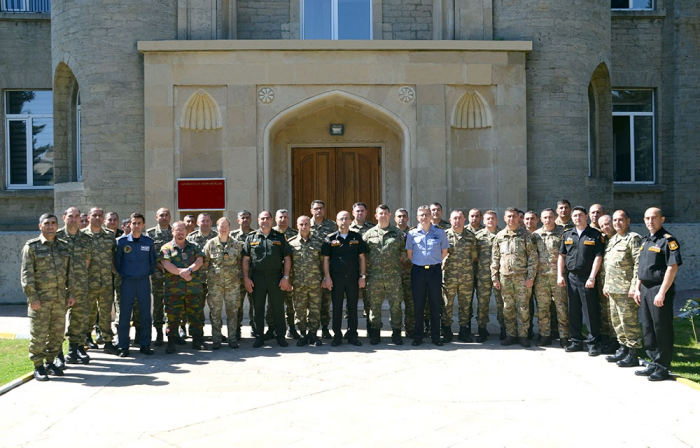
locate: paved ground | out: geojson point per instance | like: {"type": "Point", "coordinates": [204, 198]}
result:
{"type": "Point", "coordinates": [458, 395]}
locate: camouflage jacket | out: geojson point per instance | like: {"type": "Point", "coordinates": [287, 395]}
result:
{"type": "Point", "coordinates": [287, 233]}
{"type": "Point", "coordinates": [102, 260]}
{"type": "Point", "coordinates": [324, 229]}
{"type": "Point", "coordinates": [160, 237]}
{"type": "Point", "coordinates": [621, 252]}
{"type": "Point", "coordinates": [80, 249]}
{"type": "Point", "coordinates": [472, 229]}
{"type": "Point", "coordinates": [513, 252]}
{"type": "Point", "coordinates": [181, 257]}
{"type": "Point", "coordinates": [385, 250]}
{"type": "Point", "coordinates": [199, 239]}
{"type": "Point", "coordinates": [484, 243]}
{"type": "Point", "coordinates": [548, 244]}
{"type": "Point", "coordinates": [240, 235]}
{"type": "Point", "coordinates": [223, 261]}
{"type": "Point", "coordinates": [307, 261]}
{"type": "Point", "coordinates": [568, 226]}
{"type": "Point", "coordinates": [462, 252]}
{"type": "Point", "coordinates": [361, 229]}
{"type": "Point", "coordinates": [45, 269]}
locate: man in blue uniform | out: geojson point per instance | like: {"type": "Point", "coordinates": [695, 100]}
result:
{"type": "Point", "coordinates": [135, 261]}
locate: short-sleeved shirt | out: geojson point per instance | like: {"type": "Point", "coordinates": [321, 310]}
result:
{"type": "Point", "coordinates": [427, 246]}
{"type": "Point", "coordinates": [344, 253]}
{"type": "Point", "coordinates": [266, 252]}
{"type": "Point", "coordinates": [581, 251]}
{"type": "Point", "coordinates": [181, 257]}
{"type": "Point", "coordinates": [659, 251]}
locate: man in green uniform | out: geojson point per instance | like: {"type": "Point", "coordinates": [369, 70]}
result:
{"type": "Point", "coordinates": [436, 216]}
{"type": "Point", "coordinates": [484, 285]}
{"type": "Point", "coordinates": [161, 235]}
{"type": "Point", "coordinates": [323, 227]}
{"type": "Point", "coordinates": [282, 226]}
{"type": "Point", "coordinates": [306, 276]}
{"type": "Point", "coordinates": [401, 219]}
{"type": "Point", "coordinates": [200, 237]}
{"type": "Point", "coordinates": [222, 259]}
{"type": "Point", "coordinates": [266, 254]}
{"type": "Point", "coordinates": [621, 254]}
{"type": "Point", "coordinates": [244, 219]}
{"type": "Point", "coordinates": [181, 260]}
{"type": "Point", "coordinates": [513, 271]}
{"type": "Point", "coordinates": [458, 278]}
{"type": "Point", "coordinates": [80, 248]}
{"type": "Point", "coordinates": [46, 282]}
{"type": "Point", "coordinates": [564, 215]}
{"type": "Point", "coordinates": [385, 253]}
{"type": "Point", "coordinates": [100, 282]}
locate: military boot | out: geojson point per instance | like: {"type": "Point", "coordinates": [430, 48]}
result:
{"type": "Point", "coordinates": [447, 334]}
{"type": "Point", "coordinates": [631, 360]}
{"type": "Point", "coordinates": [464, 334]}
{"type": "Point", "coordinates": [73, 355]}
{"type": "Point", "coordinates": [619, 355]}
{"type": "Point", "coordinates": [111, 348]}
{"type": "Point", "coordinates": [198, 343]}
{"type": "Point", "coordinates": [325, 333]}
{"type": "Point", "coordinates": [89, 343]}
{"type": "Point", "coordinates": [60, 361]}
{"type": "Point", "coordinates": [172, 342]}
{"type": "Point", "coordinates": [503, 335]}
{"type": "Point", "coordinates": [611, 346]}
{"type": "Point", "coordinates": [396, 337]}
{"type": "Point", "coordinates": [374, 336]}
{"type": "Point", "coordinates": [303, 340]}
{"type": "Point", "coordinates": [292, 333]}
{"type": "Point", "coordinates": [159, 336]}
{"type": "Point", "coordinates": [270, 334]}
{"type": "Point", "coordinates": [83, 354]}
{"type": "Point", "coordinates": [98, 336]}
{"type": "Point", "coordinates": [483, 335]}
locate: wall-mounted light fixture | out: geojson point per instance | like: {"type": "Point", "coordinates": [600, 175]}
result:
{"type": "Point", "coordinates": [337, 129]}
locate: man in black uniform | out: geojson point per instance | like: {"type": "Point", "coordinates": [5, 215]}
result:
{"type": "Point", "coordinates": [581, 253]}
{"type": "Point", "coordinates": [656, 270]}
{"type": "Point", "coordinates": [344, 274]}
{"type": "Point", "coordinates": [266, 253]}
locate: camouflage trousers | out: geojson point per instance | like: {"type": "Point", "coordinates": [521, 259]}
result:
{"type": "Point", "coordinates": [606, 325]}
{"type": "Point", "coordinates": [157, 280]}
{"type": "Point", "coordinates": [243, 294]}
{"type": "Point", "coordinates": [78, 316]}
{"type": "Point", "coordinates": [101, 302]}
{"type": "Point", "coordinates": [624, 314]}
{"type": "Point", "coordinates": [307, 307]}
{"type": "Point", "coordinates": [46, 327]}
{"type": "Point", "coordinates": [516, 304]}
{"type": "Point", "coordinates": [462, 287]}
{"type": "Point", "coordinates": [547, 292]}
{"type": "Point", "coordinates": [289, 310]}
{"type": "Point", "coordinates": [484, 287]}
{"type": "Point", "coordinates": [218, 297]}
{"type": "Point", "coordinates": [325, 307]}
{"type": "Point", "coordinates": [192, 304]}
{"type": "Point", "coordinates": [409, 311]}
{"type": "Point", "coordinates": [378, 290]}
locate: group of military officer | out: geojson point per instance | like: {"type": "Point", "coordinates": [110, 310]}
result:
{"type": "Point", "coordinates": [599, 275]}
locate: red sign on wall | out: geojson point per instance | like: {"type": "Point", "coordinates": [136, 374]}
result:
{"type": "Point", "coordinates": [201, 194]}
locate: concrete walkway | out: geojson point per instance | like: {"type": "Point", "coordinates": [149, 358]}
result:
{"type": "Point", "coordinates": [472, 395]}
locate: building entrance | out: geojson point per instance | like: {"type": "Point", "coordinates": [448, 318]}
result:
{"type": "Point", "coordinates": [338, 176]}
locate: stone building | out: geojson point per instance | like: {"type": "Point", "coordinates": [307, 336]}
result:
{"type": "Point", "coordinates": [471, 103]}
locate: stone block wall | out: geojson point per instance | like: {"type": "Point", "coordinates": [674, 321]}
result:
{"type": "Point", "coordinates": [407, 19]}
{"type": "Point", "coordinates": [25, 63]}
{"type": "Point", "coordinates": [267, 19]}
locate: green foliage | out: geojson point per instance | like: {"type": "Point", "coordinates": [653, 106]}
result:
{"type": "Point", "coordinates": [14, 359]}
{"type": "Point", "coordinates": [689, 311]}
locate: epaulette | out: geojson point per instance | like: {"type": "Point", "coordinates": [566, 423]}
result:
{"type": "Point", "coordinates": [34, 240]}
{"type": "Point", "coordinates": [411, 228]}
{"type": "Point", "coordinates": [668, 235]}
{"type": "Point", "coordinates": [439, 226]}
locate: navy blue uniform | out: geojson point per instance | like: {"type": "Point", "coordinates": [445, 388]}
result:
{"type": "Point", "coordinates": [135, 261]}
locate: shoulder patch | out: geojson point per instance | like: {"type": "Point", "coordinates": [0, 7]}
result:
{"type": "Point", "coordinates": [673, 245]}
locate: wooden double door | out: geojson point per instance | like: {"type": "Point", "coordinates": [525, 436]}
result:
{"type": "Point", "coordinates": [337, 176]}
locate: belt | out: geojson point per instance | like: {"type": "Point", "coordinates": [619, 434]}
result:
{"type": "Point", "coordinates": [428, 266]}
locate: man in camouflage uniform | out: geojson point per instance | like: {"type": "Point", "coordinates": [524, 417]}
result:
{"type": "Point", "coordinates": [323, 227]}
{"type": "Point", "coordinates": [112, 222]}
{"type": "Point", "coordinates": [401, 219]}
{"type": "Point", "coordinates": [385, 252]}
{"type": "Point", "coordinates": [484, 285]}
{"type": "Point", "coordinates": [161, 235]}
{"type": "Point", "coordinates": [595, 212]}
{"type": "Point", "coordinates": [181, 260]}
{"type": "Point", "coordinates": [100, 283]}
{"type": "Point", "coordinates": [564, 215]}
{"type": "Point", "coordinates": [200, 237]}
{"type": "Point", "coordinates": [80, 249]}
{"type": "Point", "coordinates": [190, 223]}
{"type": "Point", "coordinates": [46, 281]}
{"type": "Point", "coordinates": [436, 216]}
{"type": "Point", "coordinates": [607, 333]}
{"type": "Point", "coordinates": [244, 219]}
{"type": "Point", "coordinates": [621, 253]}
{"type": "Point", "coordinates": [282, 221]}
{"type": "Point", "coordinates": [306, 277]}
{"type": "Point", "coordinates": [222, 259]}
{"type": "Point", "coordinates": [458, 277]}
{"type": "Point", "coordinates": [361, 225]}
{"type": "Point", "coordinates": [513, 271]}
{"type": "Point", "coordinates": [548, 241]}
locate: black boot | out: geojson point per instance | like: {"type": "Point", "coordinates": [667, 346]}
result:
{"type": "Point", "coordinates": [374, 336]}
{"type": "Point", "coordinates": [619, 355]}
{"type": "Point", "coordinates": [198, 343]}
{"type": "Point", "coordinates": [325, 334]}
{"type": "Point", "coordinates": [98, 336]}
{"type": "Point", "coordinates": [396, 337]}
{"type": "Point", "coordinates": [238, 333]}
{"type": "Point", "coordinates": [483, 335]}
{"type": "Point", "coordinates": [303, 340]}
{"type": "Point", "coordinates": [292, 333]}
{"type": "Point", "coordinates": [60, 361]}
{"type": "Point", "coordinates": [464, 334]}
{"type": "Point", "coordinates": [111, 348]}
{"type": "Point", "coordinates": [89, 343]}
{"type": "Point", "coordinates": [172, 342]}
{"type": "Point", "coordinates": [83, 354]}
{"type": "Point", "coordinates": [314, 340]}
{"type": "Point", "coordinates": [631, 360]}
{"type": "Point", "coordinates": [611, 346]}
{"type": "Point", "coordinates": [159, 336]}
{"type": "Point", "coordinates": [502, 336]}
{"type": "Point", "coordinates": [73, 355]}
{"type": "Point", "coordinates": [446, 334]}
{"type": "Point", "coordinates": [270, 334]}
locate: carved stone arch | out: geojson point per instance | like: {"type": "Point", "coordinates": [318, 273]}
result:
{"type": "Point", "coordinates": [201, 113]}
{"type": "Point", "coordinates": [472, 112]}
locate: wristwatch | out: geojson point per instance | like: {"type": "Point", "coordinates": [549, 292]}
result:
{"type": "Point", "coordinates": [286, 277]}
{"type": "Point", "coordinates": [363, 276]}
